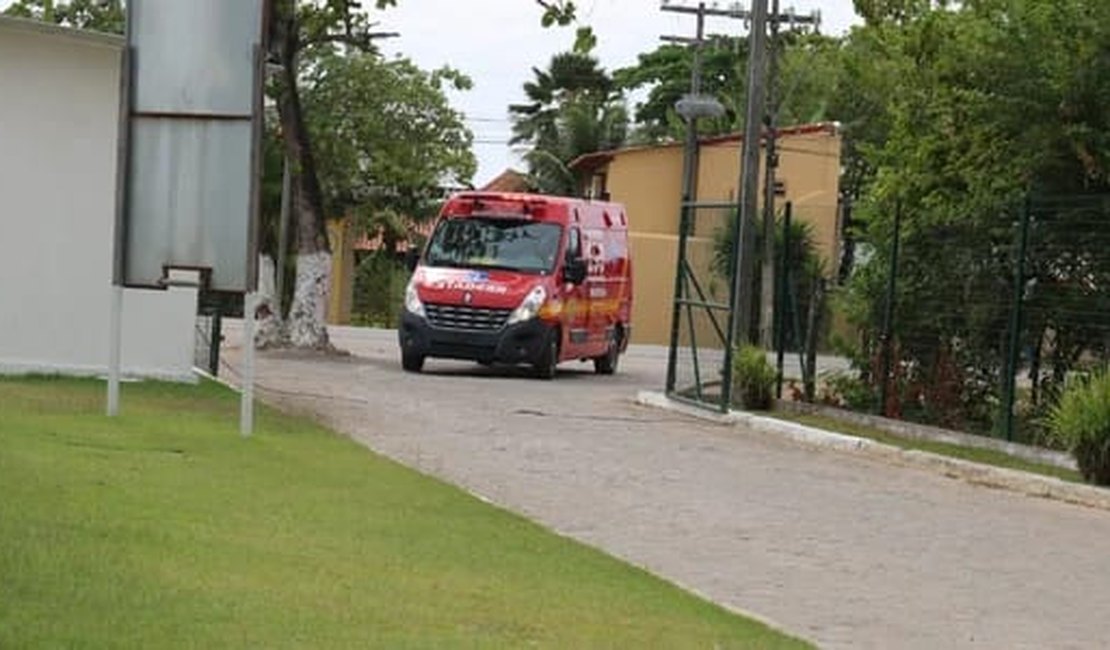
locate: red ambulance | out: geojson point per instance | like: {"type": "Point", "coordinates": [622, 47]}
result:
{"type": "Point", "coordinates": [521, 279]}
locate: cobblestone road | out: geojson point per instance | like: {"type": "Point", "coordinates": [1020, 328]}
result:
{"type": "Point", "coordinates": [845, 551]}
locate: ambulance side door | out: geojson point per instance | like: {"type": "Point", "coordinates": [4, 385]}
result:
{"type": "Point", "coordinates": [576, 303]}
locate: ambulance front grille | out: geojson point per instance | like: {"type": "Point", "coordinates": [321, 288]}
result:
{"type": "Point", "coordinates": [460, 317]}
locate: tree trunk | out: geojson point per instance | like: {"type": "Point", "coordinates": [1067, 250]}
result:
{"type": "Point", "coordinates": [306, 324]}
{"type": "Point", "coordinates": [270, 331]}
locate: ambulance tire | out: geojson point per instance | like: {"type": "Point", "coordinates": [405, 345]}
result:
{"type": "Point", "coordinates": [607, 364]}
{"type": "Point", "coordinates": [412, 362]}
{"type": "Point", "coordinates": [546, 366]}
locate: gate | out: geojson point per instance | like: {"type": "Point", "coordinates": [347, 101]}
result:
{"type": "Point", "coordinates": [699, 363]}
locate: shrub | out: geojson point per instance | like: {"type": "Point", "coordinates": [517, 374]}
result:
{"type": "Point", "coordinates": [1081, 422]}
{"type": "Point", "coordinates": [847, 390]}
{"type": "Point", "coordinates": [379, 291]}
{"type": "Point", "coordinates": [753, 378]}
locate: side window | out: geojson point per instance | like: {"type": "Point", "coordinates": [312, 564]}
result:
{"type": "Point", "coordinates": [574, 244]}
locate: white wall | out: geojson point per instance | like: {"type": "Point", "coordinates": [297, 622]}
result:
{"type": "Point", "coordinates": [59, 99]}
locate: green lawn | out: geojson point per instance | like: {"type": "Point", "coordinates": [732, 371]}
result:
{"type": "Point", "coordinates": [164, 529]}
{"type": "Point", "coordinates": [974, 454]}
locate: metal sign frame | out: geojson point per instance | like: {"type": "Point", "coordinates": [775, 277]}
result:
{"type": "Point", "coordinates": [207, 267]}
{"type": "Point", "coordinates": [162, 245]}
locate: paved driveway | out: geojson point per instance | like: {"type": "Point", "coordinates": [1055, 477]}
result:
{"type": "Point", "coordinates": [845, 551]}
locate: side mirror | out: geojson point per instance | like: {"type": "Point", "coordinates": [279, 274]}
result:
{"type": "Point", "coordinates": [412, 257]}
{"type": "Point", "coordinates": [574, 271]}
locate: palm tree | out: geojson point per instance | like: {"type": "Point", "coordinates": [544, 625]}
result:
{"type": "Point", "coordinates": [573, 109]}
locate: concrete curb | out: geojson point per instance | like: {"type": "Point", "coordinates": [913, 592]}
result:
{"type": "Point", "coordinates": [1025, 483]}
{"type": "Point", "coordinates": [914, 431]}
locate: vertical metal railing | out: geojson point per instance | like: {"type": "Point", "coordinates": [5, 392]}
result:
{"type": "Point", "coordinates": [694, 304]}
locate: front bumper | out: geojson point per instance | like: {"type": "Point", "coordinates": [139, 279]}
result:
{"type": "Point", "coordinates": [518, 343]}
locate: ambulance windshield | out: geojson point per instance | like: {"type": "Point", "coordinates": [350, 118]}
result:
{"type": "Point", "coordinates": [491, 243]}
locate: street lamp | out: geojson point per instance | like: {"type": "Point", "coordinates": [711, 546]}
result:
{"type": "Point", "coordinates": [692, 107]}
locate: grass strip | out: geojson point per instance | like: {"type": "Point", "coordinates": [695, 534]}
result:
{"type": "Point", "coordinates": [162, 528]}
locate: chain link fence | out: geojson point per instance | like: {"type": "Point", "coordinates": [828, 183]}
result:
{"type": "Point", "coordinates": [976, 324]}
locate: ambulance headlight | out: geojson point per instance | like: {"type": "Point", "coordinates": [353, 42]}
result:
{"type": "Point", "coordinates": [412, 300]}
{"type": "Point", "coordinates": [529, 307]}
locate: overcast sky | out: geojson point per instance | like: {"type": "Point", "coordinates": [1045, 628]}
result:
{"type": "Point", "coordinates": [497, 42]}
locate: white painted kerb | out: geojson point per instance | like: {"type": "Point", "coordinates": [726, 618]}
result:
{"type": "Point", "coordinates": [1026, 483]}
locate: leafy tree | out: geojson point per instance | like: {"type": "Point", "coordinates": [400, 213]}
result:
{"type": "Point", "coordinates": [896, 11]}
{"type": "Point", "coordinates": [869, 72]}
{"type": "Point", "coordinates": [806, 86]}
{"type": "Point", "coordinates": [300, 34]}
{"type": "Point", "coordinates": [557, 12]}
{"type": "Point", "coordinates": [387, 138]}
{"type": "Point", "coordinates": [564, 13]}
{"type": "Point", "coordinates": [809, 79]}
{"type": "Point", "coordinates": [973, 123]}
{"type": "Point", "coordinates": [666, 72]}
{"type": "Point", "coordinates": [99, 15]}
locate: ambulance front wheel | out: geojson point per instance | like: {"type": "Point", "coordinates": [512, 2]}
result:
{"type": "Point", "coordinates": [549, 358]}
{"type": "Point", "coordinates": [412, 362]}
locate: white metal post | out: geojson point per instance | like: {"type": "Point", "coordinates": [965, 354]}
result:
{"type": "Point", "coordinates": [246, 404]}
{"type": "Point", "coordinates": [115, 342]}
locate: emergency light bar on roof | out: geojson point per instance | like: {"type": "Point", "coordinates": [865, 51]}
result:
{"type": "Point", "coordinates": [498, 205]}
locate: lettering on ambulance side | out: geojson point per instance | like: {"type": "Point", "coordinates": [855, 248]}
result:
{"type": "Point", "coordinates": [473, 281]}
{"type": "Point", "coordinates": [595, 254]}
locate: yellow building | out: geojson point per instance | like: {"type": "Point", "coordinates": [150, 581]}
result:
{"type": "Point", "coordinates": [648, 181]}
{"type": "Point", "coordinates": [342, 238]}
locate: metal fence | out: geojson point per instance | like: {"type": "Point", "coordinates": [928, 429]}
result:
{"type": "Point", "coordinates": [705, 336]}
{"type": "Point", "coordinates": [976, 324]}
{"type": "Point", "coordinates": [206, 344]}
{"type": "Point", "coordinates": [212, 308]}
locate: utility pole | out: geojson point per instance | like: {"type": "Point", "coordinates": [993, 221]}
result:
{"type": "Point", "coordinates": [774, 103]}
{"type": "Point", "coordinates": [695, 105]}
{"type": "Point", "coordinates": [749, 176]}
{"type": "Point", "coordinates": [759, 19]}
{"type": "Point", "coordinates": [691, 107]}
{"type": "Point", "coordinates": [767, 285]}
{"type": "Point", "coordinates": [690, 151]}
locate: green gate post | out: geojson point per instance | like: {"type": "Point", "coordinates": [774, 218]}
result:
{"type": "Point", "coordinates": [672, 353]}
{"type": "Point", "coordinates": [686, 211]}
{"type": "Point", "coordinates": [1015, 323]}
{"type": "Point", "coordinates": [686, 217]}
{"type": "Point", "coordinates": [730, 335]}
{"type": "Point", "coordinates": [888, 311]}
{"type": "Point", "coordinates": [780, 310]}
{"type": "Point", "coordinates": [214, 344]}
